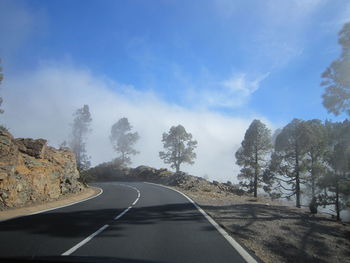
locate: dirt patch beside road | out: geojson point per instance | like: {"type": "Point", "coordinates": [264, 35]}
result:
{"type": "Point", "coordinates": [275, 232]}
{"type": "Point", "coordinates": [63, 200]}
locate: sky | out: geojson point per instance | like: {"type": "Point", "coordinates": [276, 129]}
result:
{"type": "Point", "coordinates": [212, 66]}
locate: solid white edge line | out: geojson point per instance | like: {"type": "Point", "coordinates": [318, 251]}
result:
{"type": "Point", "coordinates": [83, 242]}
{"type": "Point", "coordinates": [58, 207]}
{"type": "Point", "coordinates": [244, 254]}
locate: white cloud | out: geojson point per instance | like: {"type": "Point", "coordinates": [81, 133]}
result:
{"type": "Point", "coordinates": [240, 84]}
{"type": "Point", "coordinates": [232, 92]}
{"type": "Point", "coordinates": [41, 102]}
{"type": "Point", "coordinates": [284, 30]}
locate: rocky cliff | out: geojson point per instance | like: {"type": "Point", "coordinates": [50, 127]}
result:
{"type": "Point", "coordinates": [31, 171]}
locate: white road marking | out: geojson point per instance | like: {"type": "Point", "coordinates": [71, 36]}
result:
{"type": "Point", "coordinates": [134, 203]}
{"type": "Point", "coordinates": [245, 255]}
{"type": "Point", "coordinates": [83, 242]}
{"type": "Point", "coordinates": [58, 207]}
{"type": "Point", "coordinates": [122, 213]}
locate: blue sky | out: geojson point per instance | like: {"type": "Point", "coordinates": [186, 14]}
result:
{"type": "Point", "coordinates": [232, 59]}
{"type": "Point", "coordinates": [179, 49]}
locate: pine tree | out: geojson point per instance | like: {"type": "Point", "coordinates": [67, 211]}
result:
{"type": "Point", "coordinates": [253, 155]}
{"type": "Point", "coordinates": [123, 140]}
{"type": "Point", "coordinates": [336, 97]}
{"type": "Point", "coordinates": [287, 160]}
{"type": "Point", "coordinates": [80, 129]}
{"type": "Point", "coordinates": [180, 147]}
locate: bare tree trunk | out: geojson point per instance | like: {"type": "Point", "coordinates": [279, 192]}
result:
{"type": "Point", "coordinates": [178, 154]}
{"type": "Point", "coordinates": [177, 165]}
{"type": "Point", "coordinates": [297, 190]}
{"type": "Point", "coordinates": [313, 177]}
{"type": "Point", "coordinates": [256, 175]}
{"type": "Point", "coordinates": [297, 180]}
{"type": "Point", "coordinates": [123, 158]}
{"type": "Point", "coordinates": [337, 206]}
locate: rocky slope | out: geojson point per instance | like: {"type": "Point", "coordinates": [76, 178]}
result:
{"type": "Point", "coordinates": [115, 172]}
{"type": "Point", "coordinates": [31, 171]}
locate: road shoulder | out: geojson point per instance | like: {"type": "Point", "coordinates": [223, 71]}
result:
{"type": "Point", "coordinates": [67, 200]}
{"type": "Point", "coordinates": [273, 232]}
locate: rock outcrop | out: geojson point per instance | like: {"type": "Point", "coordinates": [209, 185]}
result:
{"type": "Point", "coordinates": [31, 171]}
{"type": "Point", "coordinates": [181, 180]}
{"type": "Point", "coordinates": [112, 171]}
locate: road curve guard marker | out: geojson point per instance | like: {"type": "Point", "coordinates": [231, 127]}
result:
{"type": "Point", "coordinates": [244, 254]}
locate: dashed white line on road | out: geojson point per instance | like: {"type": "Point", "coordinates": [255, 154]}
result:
{"type": "Point", "coordinates": [83, 242]}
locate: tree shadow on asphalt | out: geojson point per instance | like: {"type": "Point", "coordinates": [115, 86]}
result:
{"type": "Point", "coordinates": [246, 219]}
{"type": "Point", "coordinates": [83, 223]}
{"type": "Point", "coordinates": [53, 259]}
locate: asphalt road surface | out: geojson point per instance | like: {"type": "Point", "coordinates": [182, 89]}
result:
{"type": "Point", "coordinates": [128, 222]}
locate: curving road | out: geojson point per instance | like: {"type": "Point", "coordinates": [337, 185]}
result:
{"type": "Point", "coordinates": [128, 222]}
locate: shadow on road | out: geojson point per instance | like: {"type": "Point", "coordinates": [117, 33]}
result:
{"type": "Point", "coordinates": [83, 223]}
{"type": "Point", "coordinates": [80, 259]}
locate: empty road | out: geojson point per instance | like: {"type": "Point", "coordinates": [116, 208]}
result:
{"type": "Point", "coordinates": [128, 222]}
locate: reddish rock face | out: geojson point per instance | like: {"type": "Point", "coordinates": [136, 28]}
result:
{"type": "Point", "coordinates": [32, 171]}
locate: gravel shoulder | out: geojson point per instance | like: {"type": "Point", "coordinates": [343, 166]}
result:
{"type": "Point", "coordinates": [63, 200]}
{"type": "Point", "coordinates": [275, 232]}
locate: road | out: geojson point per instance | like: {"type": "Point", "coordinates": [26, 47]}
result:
{"type": "Point", "coordinates": [128, 222]}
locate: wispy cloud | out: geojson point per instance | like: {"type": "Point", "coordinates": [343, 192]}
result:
{"type": "Point", "coordinates": [232, 92]}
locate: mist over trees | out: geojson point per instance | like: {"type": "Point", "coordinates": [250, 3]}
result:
{"type": "Point", "coordinates": [336, 97]}
{"type": "Point", "coordinates": [179, 147]}
{"type": "Point", "coordinates": [123, 140]}
{"type": "Point", "coordinates": [287, 159]}
{"type": "Point", "coordinates": [316, 150]}
{"type": "Point", "coordinates": [80, 130]}
{"type": "Point", "coordinates": [335, 183]}
{"type": "Point", "coordinates": [253, 156]}
{"type": "Point", "coordinates": [310, 158]}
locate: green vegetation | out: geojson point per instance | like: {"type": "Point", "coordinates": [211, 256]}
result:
{"type": "Point", "coordinates": [123, 140]}
{"type": "Point", "coordinates": [179, 146]}
{"type": "Point", "coordinates": [336, 97]}
{"type": "Point", "coordinates": [253, 156]}
{"type": "Point", "coordinates": [308, 157]}
{"type": "Point", "coordinates": [80, 129]}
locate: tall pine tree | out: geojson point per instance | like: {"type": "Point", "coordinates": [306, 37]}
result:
{"type": "Point", "coordinates": [253, 155]}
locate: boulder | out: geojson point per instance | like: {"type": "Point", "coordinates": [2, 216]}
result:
{"type": "Point", "coordinates": [35, 148]}
{"type": "Point", "coordinates": [216, 183]}
{"type": "Point", "coordinates": [146, 173]}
